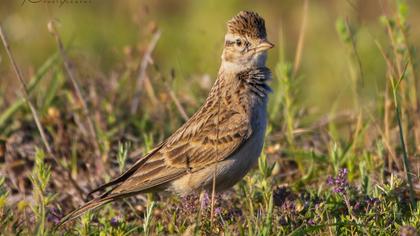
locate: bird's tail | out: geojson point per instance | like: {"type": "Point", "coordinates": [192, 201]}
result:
{"type": "Point", "coordinates": [91, 205]}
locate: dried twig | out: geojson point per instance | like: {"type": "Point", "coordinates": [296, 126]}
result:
{"type": "Point", "coordinates": [213, 192]}
{"type": "Point", "coordinates": [25, 92]}
{"type": "Point", "coordinates": [147, 58]}
{"type": "Point", "coordinates": [174, 98]}
{"type": "Point", "coordinates": [177, 103]}
{"type": "Point", "coordinates": [92, 132]}
{"type": "Point", "coordinates": [299, 49]}
{"type": "Point", "coordinates": [150, 92]}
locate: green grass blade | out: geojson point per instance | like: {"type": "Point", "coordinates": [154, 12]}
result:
{"type": "Point", "coordinates": [12, 109]}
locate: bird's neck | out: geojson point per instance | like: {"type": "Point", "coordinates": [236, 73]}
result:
{"type": "Point", "coordinates": [232, 67]}
{"type": "Point", "coordinates": [236, 66]}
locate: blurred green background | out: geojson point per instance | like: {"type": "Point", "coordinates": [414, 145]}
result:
{"type": "Point", "coordinates": [102, 33]}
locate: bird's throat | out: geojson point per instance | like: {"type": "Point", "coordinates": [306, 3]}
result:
{"type": "Point", "coordinates": [236, 66]}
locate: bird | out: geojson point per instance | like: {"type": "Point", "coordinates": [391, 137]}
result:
{"type": "Point", "coordinates": [222, 141]}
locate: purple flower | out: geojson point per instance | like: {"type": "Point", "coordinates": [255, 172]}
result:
{"type": "Point", "coordinates": [343, 172]}
{"type": "Point", "coordinates": [218, 210]}
{"type": "Point", "coordinates": [311, 222]}
{"type": "Point", "coordinates": [205, 201]}
{"type": "Point", "coordinates": [115, 221]}
{"type": "Point", "coordinates": [372, 200]}
{"type": "Point", "coordinates": [234, 212]}
{"type": "Point", "coordinates": [330, 180]}
{"type": "Point", "coordinates": [289, 207]}
{"type": "Point", "coordinates": [54, 215]}
{"type": "Point", "coordinates": [53, 219]}
{"type": "Point", "coordinates": [339, 183]}
{"type": "Point", "coordinates": [189, 203]}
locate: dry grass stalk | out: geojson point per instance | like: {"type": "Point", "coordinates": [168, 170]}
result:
{"type": "Point", "coordinates": [387, 113]}
{"type": "Point", "coordinates": [175, 99]}
{"type": "Point", "coordinates": [25, 91]}
{"type": "Point", "coordinates": [52, 29]}
{"type": "Point", "coordinates": [299, 48]}
{"type": "Point", "coordinates": [147, 58]}
{"type": "Point", "coordinates": [213, 192]}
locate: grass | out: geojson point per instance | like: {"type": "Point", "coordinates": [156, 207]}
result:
{"type": "Point", "coordinates": [352, 171]}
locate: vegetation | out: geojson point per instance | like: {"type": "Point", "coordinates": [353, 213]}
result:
{"type": "Point", "coordinates": [105, 82]}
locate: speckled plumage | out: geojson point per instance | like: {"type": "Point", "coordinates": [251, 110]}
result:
{"type": "Point", "coordinates": [247, 23]}
{"type": "Point", "coordinates": [223, 138]}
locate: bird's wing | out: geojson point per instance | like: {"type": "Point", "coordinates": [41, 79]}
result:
{"type": "Point", "coordinates": [198, 147]}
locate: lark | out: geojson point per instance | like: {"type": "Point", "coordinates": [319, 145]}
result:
{"type": "Point", "coordinates": [222, 141]}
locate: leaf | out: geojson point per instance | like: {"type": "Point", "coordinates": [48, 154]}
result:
{"type": "Point", "coordinates": [55, 84]}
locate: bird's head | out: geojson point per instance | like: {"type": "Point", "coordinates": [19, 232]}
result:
{"type": "Point", "coordinates": [246, 41]}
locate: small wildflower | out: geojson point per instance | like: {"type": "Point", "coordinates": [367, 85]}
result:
{"type": "Point", "coordinates": [234, 212]}
{"type": "Point", "coordinates": [205, 201]}
{"type": "Point", "coordinates": [115, 221]}
{"type": "Point", "coordinates": [330, 180]}
{"type": "Point", "coordinates": [311, 222]}
{"type": "Point", "coordinates": [189, 203]}
{"type": "Point", "coordinates": [289, 207]}
{"type": "Point", "coordinates": [54, 215]}
{"type": "Point", "coordinates": [218, 210]}
{"type": "Point", "coordinates": [371, 201]}
{"type": "Point", "coordinates": [339, 183]}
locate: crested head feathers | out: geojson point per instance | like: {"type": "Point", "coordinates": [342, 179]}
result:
{"type": "Point", "coordinates": [247, 23]}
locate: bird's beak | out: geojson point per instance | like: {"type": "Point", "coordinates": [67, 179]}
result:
{"type": "Point", "coordinates": [264, 46]}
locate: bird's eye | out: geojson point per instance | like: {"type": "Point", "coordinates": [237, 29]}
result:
{"type": "Point", "coordinates": [238, 42]}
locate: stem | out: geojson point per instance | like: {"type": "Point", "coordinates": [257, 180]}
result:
{"type": "Point", "coordinates": [25, 92]}
{"type": "Point", "coordinates": [72, 77]}
{"type": "Point", "coordinates": [147, 59]}
{"type": "Point", "coordinates": [406, 161]}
